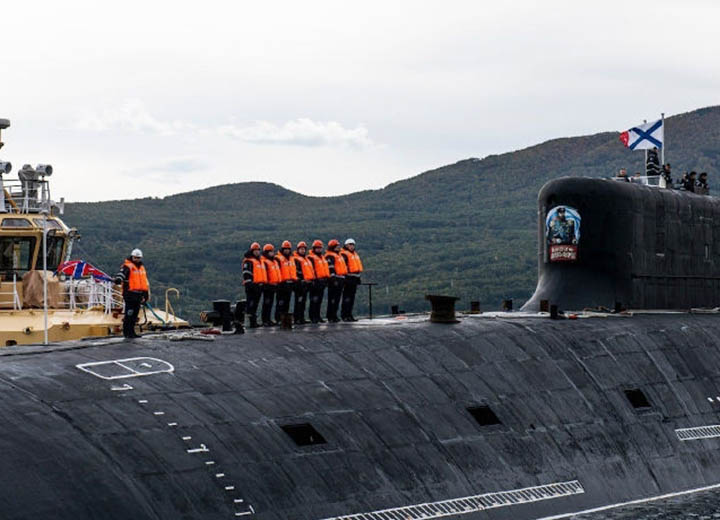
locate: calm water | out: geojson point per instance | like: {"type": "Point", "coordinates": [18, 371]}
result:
{"type": "Point", "coordinates": [699, 506]}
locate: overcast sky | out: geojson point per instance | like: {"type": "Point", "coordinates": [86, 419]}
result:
{"type": "Point", "coordinates": [133, 99]}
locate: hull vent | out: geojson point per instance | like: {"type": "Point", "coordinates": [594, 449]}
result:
{"type": "Point", "coordinates": [699, 432]}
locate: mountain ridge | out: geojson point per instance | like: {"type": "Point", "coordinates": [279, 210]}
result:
{"type": "Point", "coordinates": [466, 228]}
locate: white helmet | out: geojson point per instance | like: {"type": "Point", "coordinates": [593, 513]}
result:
{"type": "Point", "coordinates": [136, 252]}
{"type": "Point", "coordinates": [350, 241]}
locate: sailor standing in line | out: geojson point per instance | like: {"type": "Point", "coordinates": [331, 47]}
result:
{"type": "Point", "coordinates": [273, 279]}
{"type": "Point", "coordinates": [322, 274]}
{"type": "Point", "coordinates": [254, 278]}
{"type": "Point", "coordinates": [338, 270]}
{"type": "Point", "coordinates": [352, 279]}
{"type": "Point", "coordinates": [288, 280]}
{"type": "Point", "coordinates": [136, 290]}
{"type": "Point", "coordinates": [305, 278]}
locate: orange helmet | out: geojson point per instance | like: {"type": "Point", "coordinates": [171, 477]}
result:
{"type": "Point", "coordinates": [333, 243]}
{"type": "Point", "coordinates": [268, 247]}
{"type": "Point", "coordinates": [254, 246]}
{"type": "Point", "coordinates": [286, 245]}
{"type": "Point", "coordinates": [317, 243]}
{"type": "Point", "coordinates": [302, 244]}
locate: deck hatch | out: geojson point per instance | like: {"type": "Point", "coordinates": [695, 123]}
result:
{"type": "Point", "coordinates": [637, 398]}
{"type": "Point", "coordinates": [472, 504]}
{"type": "Point", "coordinates": [484, 415]}
{"type": "Point", "coordinates": [304, 434]}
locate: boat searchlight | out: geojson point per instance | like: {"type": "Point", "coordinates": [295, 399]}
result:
{"type": "Point", "coordinates": [4, 123]}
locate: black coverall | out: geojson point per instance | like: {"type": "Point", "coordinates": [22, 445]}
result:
{"type": "Point", "coordinates": [335, 289]}
{"type": "Point", "coordinates": [252, 290]}
{"type": "Point", "coordinates": [133, 302]}
{"type": "Point", "coordinates": [317, 290]}
{"type": "Point", "coordinates": [349, 290]}
{"type": "Point", "coordinates": [301, 289]}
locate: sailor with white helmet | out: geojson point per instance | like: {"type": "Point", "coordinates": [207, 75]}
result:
{"type": "Point", "coordinates": [136, 290]}
{"type": "Point", "coordinates": [352, 279]}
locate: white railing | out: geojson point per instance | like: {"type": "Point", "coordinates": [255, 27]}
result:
{"type": "Point", "coordinates": [655, 181]}
{"type": "Point", "coordinates": [18, 196]}
{"type": "Point", "coordinates": [89, 293]}
{"type": "Point", "coordinates": [17, 305]}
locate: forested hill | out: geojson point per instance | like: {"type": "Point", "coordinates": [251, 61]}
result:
{"type": "Point", "coordinates": [466, 229]}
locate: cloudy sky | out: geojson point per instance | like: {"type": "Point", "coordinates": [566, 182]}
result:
{"type": "Point", "coordinates": [133, 99]}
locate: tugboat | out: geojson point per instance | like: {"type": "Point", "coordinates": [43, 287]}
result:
{"type": "Point", "coordinates": [38, 303]}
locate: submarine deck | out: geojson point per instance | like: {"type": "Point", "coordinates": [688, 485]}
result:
{"type": "Point", "coordinates": [194, 429]}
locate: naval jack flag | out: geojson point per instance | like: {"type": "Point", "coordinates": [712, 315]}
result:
{"type": "Point", "coordinates": [645, 137]}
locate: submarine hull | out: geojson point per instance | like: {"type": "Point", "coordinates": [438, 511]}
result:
{"type": "Point", "coordinates": [489, 418]}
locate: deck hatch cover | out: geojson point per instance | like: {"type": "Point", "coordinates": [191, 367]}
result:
{"type": "Point", "coordinates": [129, 367]}
{"type": "Point", "coordinates": [637, 398]}
{"type": "Point", "coordinates": [472, 504]}
{"type": "Point", "coordinates": [699, 432]}
{"type": "Point", "coordinates": [484, 415]}
{"type": "Point", "coordinates": [304, 434]}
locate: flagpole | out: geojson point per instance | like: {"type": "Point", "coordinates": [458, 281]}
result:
{"type": "Point", "coordinates": [645, 165]}
{"type": "Point", "coordinates": [662, 148]}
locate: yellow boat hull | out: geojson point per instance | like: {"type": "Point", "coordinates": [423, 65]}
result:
{"type": "Point", "coordinates": [24, 327]}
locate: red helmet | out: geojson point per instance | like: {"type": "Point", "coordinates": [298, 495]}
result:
{"type": "Point", "coordinates": [317, 243]}
{"type": "Point", "coordinates": [333, 243]}
{"type": "Point", "coordinates": [302, 244]}
{"type": "Point", "coordinates": [286, 245]}
{"type": "Point", "coordinates": [268, 247]}
{"type": "Point", "coordinates": [254, 246]}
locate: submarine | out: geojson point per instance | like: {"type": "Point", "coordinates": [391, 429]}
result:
{"type": "Point", "coordinates": [609, 397]}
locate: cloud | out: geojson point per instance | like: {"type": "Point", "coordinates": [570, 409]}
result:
{"type": "Point", "coordinates": [133, 117]}
{"type": "Point", "coordinates": [299, 132]}
{"type": "Point", "coordinates": [130, 117]}
{"type": "Point", "coordinates": [170, 168]}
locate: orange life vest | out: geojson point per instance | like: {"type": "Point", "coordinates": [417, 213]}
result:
{"type": "Point", "coordinates": [287, 267]}
{"type": "Point", "coordinates": [137, 279]}
{"type": "Point", "coordinates": [322, 270]}
{"type": "Point", "coordinates": [352, 259]}
{"type": "Point", "coordinates": [306, 266]}
{"type": "Point", "coordinates": [259, 272]}
{"type": "Point", "coordinates": [340, 265]}
{"type": "Point", "coordinates": [273, 271]}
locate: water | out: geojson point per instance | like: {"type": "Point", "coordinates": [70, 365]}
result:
{"type": "Point", "coordinates": [698, 506]}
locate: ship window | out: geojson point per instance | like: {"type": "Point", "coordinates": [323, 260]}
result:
{"type": "Point", "coordinates": [304, 434]}
{"type": "Point", "coordinates": [54, 252]}
{"type": "Point", "coordinates": [484, 415]}
{"type": "Point", "coordinates": [16, 223]}
{"type": "Point", "coordinates": [637, 398]}
{"type": "Point", "coordinates": [16, 255]}
{"type": "Point", "coordinates": [53, 224]}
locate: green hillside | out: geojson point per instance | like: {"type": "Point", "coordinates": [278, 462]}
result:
{"type": "Point", "coordinates": [466, 229]}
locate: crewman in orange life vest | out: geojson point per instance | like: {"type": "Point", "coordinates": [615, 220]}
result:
{"type": "Point", "coordinates": [288, 279]}
{"type": "Point", "coordinates": [254, 278]}
{"type": "Point", "coordinates": [136, 290]}
{"type": "Point", "coordinates": [270, 288]}
{"type": "Point", "coordinates": [338, 270]}
{"type": "Point", "coordinates": [352, 279]}
{"type": "Point", "coordinates": [322, 275]}
{"type": "Point", "coordinates": [305, 274]}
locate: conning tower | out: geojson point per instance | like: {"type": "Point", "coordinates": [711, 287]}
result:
{"type": "Point", "coordinates": [603, 243]}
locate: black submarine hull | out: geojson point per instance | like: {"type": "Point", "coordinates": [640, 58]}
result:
{"type": "Point", "coordinates": [640, 247]}
{"type": "Point", "coordinates": [188, 429]}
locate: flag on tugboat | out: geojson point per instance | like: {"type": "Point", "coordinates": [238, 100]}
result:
{"type": "Point", "coordinates": [644, 137]}
{"type": "Point", "coordinates": [81, 269]}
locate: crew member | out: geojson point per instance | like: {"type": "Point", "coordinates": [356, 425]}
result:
{"type": "Point", "coordinates": [136, 290]}
{"type": "Point", "coordinates": [338, 270]}
{"type": "Point", "coordinates": [352, 279]}
{"type": "Point", "coordinates": [305, 274]}
{"type": "Point", "coordinates": [322, 275]}
{"type": "Point", "coordinates": [288, 279]}
{"type": "Point", "coordinates": [270, 288]}
{"type": "Point", "coordinates": [254, 279]}
{"type": "Point", "coordinates": [702, 185]}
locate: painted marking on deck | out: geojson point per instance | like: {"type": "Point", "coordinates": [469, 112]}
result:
{"type": "Point", "coordinates": [238, 500]}
{"type": "Point", "coordinates": [143, 401]}
{"type": "Point", "coordinates": [209, 462]}
{"type": "Point", "coordinates": [171, 424]}
{"type": "Point", "coordinates": [699, 432]}
{"type": "Point", "coordinates": [186, 438]}
{"type": "Point", "coordinates": [128, 367]}
{"type": "Point", "coordinates": [229, 488]}
{"type": "Point", "coordinates": [122, 388]}
{"type": "Point", "coordinates": [158, 413]}
{"type": "Point", "coordinates": [472, 504]}
{"type": "Point", "coordinates": [219, 475]}
{"type": "Point", "coordinates": [201, 449]}
{"type": "Point", "coordinates": [245, 513]}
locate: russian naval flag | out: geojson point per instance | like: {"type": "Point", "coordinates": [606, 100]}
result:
{"type": "Point", "coordinates": [644, 137]}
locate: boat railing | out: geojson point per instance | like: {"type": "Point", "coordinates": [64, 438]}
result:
{"type": "Point", "coordinates": [18, 196]}
{"type": "Point", "coordinates": [13, 293]}
{"type": "Point", "coordinates": [654, 181]}
{"type": "Point", "coordinates": [74, 294]}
